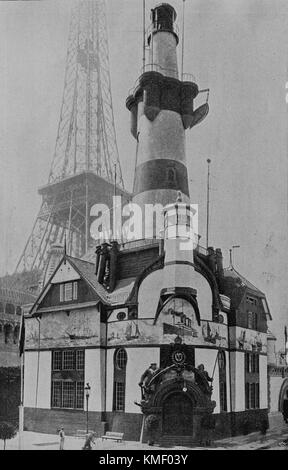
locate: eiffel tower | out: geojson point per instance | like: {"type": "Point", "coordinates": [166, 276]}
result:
{"type": "Point", "coordinates": [85, 168]}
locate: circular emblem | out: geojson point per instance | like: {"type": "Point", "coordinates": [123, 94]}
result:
{"type": "Point", "coordinates": [178, 357]}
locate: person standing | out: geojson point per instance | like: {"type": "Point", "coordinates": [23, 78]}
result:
{"type": "Point", "coordinates": [90, 440]}
{"type": "Point", "coordinates": [62, 438]}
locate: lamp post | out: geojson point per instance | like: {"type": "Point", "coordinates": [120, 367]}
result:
{"type": "Point", "coordinates": [87, 393]}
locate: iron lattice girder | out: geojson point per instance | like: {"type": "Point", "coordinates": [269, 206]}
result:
{"type": "Point", "coordinates": [86, 147]}
{"type": "Point", "coordinates": [86, 138]}
{"type": "Point", "coordinates": [64, 209]}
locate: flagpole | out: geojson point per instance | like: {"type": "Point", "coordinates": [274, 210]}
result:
{"type": "Point", "coordinates": [21, 406]}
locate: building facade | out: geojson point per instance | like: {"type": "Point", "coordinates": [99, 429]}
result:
{"type": "Point", "coordinates": [169, 341]}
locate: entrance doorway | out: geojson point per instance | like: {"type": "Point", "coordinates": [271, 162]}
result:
{"type": "Point", "coordinates": [177, 415]}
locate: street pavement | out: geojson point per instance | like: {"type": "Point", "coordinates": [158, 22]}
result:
{"type": "Point", "coordinates": [275, 439]}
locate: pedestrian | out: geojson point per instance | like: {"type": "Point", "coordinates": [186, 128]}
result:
{"type": "Point", "coordinates": [89, 441]}
{"type": "Point", "coordinates": [62, 438]}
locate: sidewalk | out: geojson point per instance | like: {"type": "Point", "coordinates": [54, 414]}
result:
{"type": "Point", "coordinates": [254, 441]}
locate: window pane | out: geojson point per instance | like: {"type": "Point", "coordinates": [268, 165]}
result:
{"type": "Point", "coordinates": [56, 394]}
{"type": "Point", "coordinates": [252, 402]}
{"type": "Point", "coordinates": [56, 360]}
{"type": "Point", "coordinates": [121, 359]}
{"type": "Point", "coordinates": [257, 363]}
{"type": "Point", "coordinates": [68, 394]}
{"type": "Point", "coordinates": [80, 395]}
{"type": "Point", "coordinates": [61, 293]}
{"type": "Point", "coordinates": [250, 367]}
{"type": "Point", "coordinates": [119, 396]}
{"type": "Point", "coordinates": [223, 405]}
{"type": "Point", "coordinates": [68, 291]}
{"type": "Point", "coordinates": [257, 403]}
{"type": "Point", "coordinates": [247, 395]}
{"type": "Point", "coordinates": [250, 320]}
{"type": "Point", "coordinates": [75, 290]}
{"type": "Point", "coordinates": [68, 360]}
{"type": "Point", "coordinates": [80, 360]}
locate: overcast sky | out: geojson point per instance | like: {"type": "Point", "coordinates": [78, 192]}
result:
{"type": "Point", "coordinates": [237, 48]}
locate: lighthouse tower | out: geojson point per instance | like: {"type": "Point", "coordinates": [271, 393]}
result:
{"type": "Point", "coordinates": [162, 108]}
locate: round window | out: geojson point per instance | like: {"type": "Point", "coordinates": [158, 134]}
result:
{"type": "Point", "coordinates": [121, 316]}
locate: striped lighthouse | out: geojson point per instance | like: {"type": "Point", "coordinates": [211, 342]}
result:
{"type": "Point", "coordinates": [162, 108]}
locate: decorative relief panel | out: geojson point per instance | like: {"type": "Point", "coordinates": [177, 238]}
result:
{"type": "Point", "coordinates": [79, 328]}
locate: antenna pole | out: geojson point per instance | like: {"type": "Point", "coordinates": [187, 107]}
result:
{"type": "Point", "coordinates": [230, 254]}
{"type": "Point", "coordinates": [115, 177]}
{"type": "Point", "coordinates": [208, 202]}
{"type": "Point", "coordinates": [144, 42]}
{"type": "Point", "coordinates": [183, 33]}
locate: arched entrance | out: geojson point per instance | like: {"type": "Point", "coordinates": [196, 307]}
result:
{"type": "Point", "coordinates": [177, 416]}
{"type": "Point", "coordinates": [283, 398]}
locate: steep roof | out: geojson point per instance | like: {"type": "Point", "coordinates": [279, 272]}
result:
{"type": "Point", "coordinates": [87, 272]}
{"type": "Point", "coordinates": [243, 282]}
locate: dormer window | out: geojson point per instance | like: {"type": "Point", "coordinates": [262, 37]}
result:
{"type": "Point", "coordinates": [251, 300]}
{"type": "Point", "coordinates": [68, 291]}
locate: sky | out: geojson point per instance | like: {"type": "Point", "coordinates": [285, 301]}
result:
{"type": "Point", "coordinates": [237, 49]}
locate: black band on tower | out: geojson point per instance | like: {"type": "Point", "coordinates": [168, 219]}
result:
{"type": "Point", "coordinates": [161, 173]}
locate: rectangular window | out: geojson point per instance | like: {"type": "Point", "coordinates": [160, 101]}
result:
{"type": "Point", "coordinates": [61, 292]}
{"type": "Point", "coordinates": [80, 395]}
{"type": "Point", "coordinates": [57, 394]}
{"type": "Point", "coordinates": [68, 291]}
{"type": "Point", "coordinates": [251, 300]}
{"type": "Point", "coordinates": [75, 290]}
{"type": "Point", "coordinates": [56, 360]}
{"type": "Point", "coordinates": [67, 378]}
{"type": "Point", "coordinates": [257, 396]}
{"type": "Point", "coordinates": [68, 360]}
{"type": "Point", "coordinates": [68, 394]}
{"type": "Point", "coordinates": [252, 395]}
{"type": "Point", "coordinates": [119, 396]}
{"type": "Point", "coordinates": [255, 363]}
{"type": "Point", "coordinates": [223, 398]}
{"type": "Point", "coordinates": [247, 396]}
{"type": "Point", "coordinates": [251, 380]}
{"type": "Point", "coordinates": [80, 360]}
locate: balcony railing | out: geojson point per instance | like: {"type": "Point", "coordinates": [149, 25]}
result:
{"type": "Point", "coordinates": [153, 67]}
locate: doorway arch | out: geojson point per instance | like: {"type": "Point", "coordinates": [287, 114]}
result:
{"type": "Point", "coordinates": [177, 414]}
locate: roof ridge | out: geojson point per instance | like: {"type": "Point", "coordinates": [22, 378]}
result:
{"type": "Point", "coordinates": [231, 268]}
{"type": "Point", "coordinates": [79, 259]}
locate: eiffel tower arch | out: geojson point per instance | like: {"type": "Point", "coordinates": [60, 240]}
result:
{"type": "Point", "coordinates": [85, 167]}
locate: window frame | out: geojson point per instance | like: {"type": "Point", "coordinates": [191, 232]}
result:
{"type": "Point", "coordinates": [62, 376]}
{"type": "Point", "coordinates": [252, 380]}
{"type": "Point", "coordinates": [70, 288]}
{"type": "Point", "coordinates": [119, 380]}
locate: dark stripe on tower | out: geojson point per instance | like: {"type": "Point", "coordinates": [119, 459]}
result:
{"type": "Point", "coordinates": [161, 173]}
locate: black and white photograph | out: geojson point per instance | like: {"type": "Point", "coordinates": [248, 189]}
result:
{"type": "Point", "coordinates": [143, 227]}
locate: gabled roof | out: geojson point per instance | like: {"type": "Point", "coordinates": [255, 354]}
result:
{"type": "Point", "coordinates": [86, 271]}
{"type": "Point", "coordinates": [243, 282]}
{"type": "Point", "coordinates": [121, 291]}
